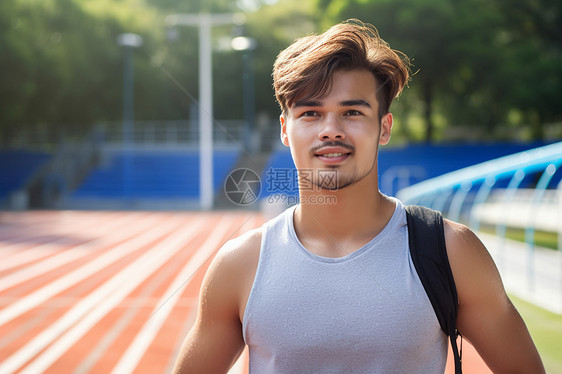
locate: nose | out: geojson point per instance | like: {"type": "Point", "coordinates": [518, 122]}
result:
{"type": "Point", "coordinates": [331, 129]}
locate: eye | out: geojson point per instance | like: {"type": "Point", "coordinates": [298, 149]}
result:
{"type": "Point", "coordinates": [353, 112]}
{"type": "Point", "coordinates": [309, 113]}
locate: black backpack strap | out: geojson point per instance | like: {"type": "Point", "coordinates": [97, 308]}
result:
{"type": "Point", "coordinates": [427, 248]}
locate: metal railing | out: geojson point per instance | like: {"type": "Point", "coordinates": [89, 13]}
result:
{"type": "Point", "coordinates": [522, 191]}
{"type": "Point", "coordinates": [185, 133]}
{"type": "Point", "coordinates": [451, 192]}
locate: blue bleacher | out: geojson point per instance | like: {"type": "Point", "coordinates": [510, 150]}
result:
{"type": "Point", "coordinates": [16, 167]}
{"type": "Point", "coordinates": [153, 175]}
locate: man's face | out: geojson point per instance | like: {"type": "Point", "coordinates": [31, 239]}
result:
{"type": "Point", "coordinates": [339, 131]}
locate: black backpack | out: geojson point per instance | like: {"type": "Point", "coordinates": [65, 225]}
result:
{"type": "Point", "coordinates": [429, 255]}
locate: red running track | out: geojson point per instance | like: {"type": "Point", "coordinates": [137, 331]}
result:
{"type": "Point", "coordinates": [109, 292]}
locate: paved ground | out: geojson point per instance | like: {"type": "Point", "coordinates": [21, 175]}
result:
{"type": "Point", "coordinates": [109, 292]}
{"type": "Point", "coordinates": [92, 292]}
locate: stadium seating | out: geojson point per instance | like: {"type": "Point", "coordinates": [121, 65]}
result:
{"type": "Point", "coordinates": [16, 167]}
{"type": "Point", "coordinates": [152, 174]}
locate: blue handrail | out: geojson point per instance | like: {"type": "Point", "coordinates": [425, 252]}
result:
{"type": "Point", "coordinates": [528, 162]}
{"type": "Point", "coordinates": [454, 188]}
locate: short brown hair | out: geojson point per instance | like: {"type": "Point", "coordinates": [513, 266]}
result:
{"type": "Point", "coordinates": [306, 67]}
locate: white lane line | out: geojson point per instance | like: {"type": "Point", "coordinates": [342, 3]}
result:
{"type": "Point", "coordinates": [53, 262]}
{"type": "Point", "coordinates": [49, 290]}
{"type": "Point", "coordinates": [68, 301]}
{"type": "Point", "coordinates": [98, 351]}
{"type": "Point", "coordinates": [25, 254]}
{"type": "Point", "coordinates": [145, 299]}
{"type": "Point", "coordinates": [42, 267]}
{"type": "Point", "coordinates": [130, 359]}
{"type": "Point", "coordinates": [35, 323]}
{"type": "Point", "coordinates": [95, 306]}
{"type": "Point", "coordinates": [28, 231]}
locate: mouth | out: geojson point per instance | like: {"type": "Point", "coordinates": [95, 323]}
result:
{"type": "Point", "coordinates": [332, 156]}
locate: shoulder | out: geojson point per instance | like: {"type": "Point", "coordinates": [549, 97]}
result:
{"type": "Point", "coordinates": [463, 244]}
{"type": "Point", "coordinates": [241, 252]}
{"type": "Point", "coordinates": [231, 273]}
{"type": "Point", "coordinates": [460, 238]}
{"type": "Point", "coordinates": [473, 268]}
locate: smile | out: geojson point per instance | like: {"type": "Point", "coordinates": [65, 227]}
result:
{"type": "Point", "coordinates": [333, 158]}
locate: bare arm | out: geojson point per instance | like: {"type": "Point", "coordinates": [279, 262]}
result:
{"type": "Point", "coordinates": [486, 317]}
{"type": "Point", "coordinates": [215, 341]}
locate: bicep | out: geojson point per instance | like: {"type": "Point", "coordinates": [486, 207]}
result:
{"type": "Point", "coordinates": [215, 341]}
{"type": "Point", "coordinates": [486, 316]}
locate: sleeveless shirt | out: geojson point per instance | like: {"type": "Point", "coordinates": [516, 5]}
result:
{"type": "Point", "coordinates": [364, 312]}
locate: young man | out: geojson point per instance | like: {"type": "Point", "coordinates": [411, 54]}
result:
{"type": "Point", "coordinates": [330, 287]}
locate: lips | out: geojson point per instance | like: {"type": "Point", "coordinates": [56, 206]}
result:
{"type": "Point", "coordinates": [332, 154]}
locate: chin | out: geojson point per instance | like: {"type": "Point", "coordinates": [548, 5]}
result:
{"type": "Point", "coordinates": [337, 186]}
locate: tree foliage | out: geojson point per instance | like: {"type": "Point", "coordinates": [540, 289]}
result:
{"type": "Point", "coordinates": [488, 65]}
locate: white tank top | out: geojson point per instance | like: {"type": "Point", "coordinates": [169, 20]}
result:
{"type": "Point", "coordinates": [366, 312]}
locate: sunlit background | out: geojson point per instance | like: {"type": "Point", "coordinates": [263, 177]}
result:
{"type": "Point", "coordinates": [150, 105]}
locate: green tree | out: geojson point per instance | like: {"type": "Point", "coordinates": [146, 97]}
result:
{"type": "Point", "coordinates": [533, 39]}
{"type": "Point", "coordinates": [480, 64]}
{"type": "Point", "coordinates": [58, 66]}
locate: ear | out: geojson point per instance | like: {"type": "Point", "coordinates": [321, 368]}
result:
{"type": "Point", "coordinates": [386, 128]}
{"type": "Point", "coordinates": [284, 136]}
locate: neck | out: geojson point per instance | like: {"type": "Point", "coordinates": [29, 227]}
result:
{"type": "Point", "coordinates": [357, 212]}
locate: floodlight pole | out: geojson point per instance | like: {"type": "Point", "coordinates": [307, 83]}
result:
{"type": "Point", "coordinates": [247, 46]}
{"type": "Point", "coordinates": [205, 22]}
{"type": "Point", "coordinates": [128, 41]}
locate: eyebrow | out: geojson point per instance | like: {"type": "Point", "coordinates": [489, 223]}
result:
{"type": "Point", "coordinates": [316, 103]}
{"type": "Point", "coordinates": [301, 103]}
{"type": "Point", "coordinates": [355, 103]}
